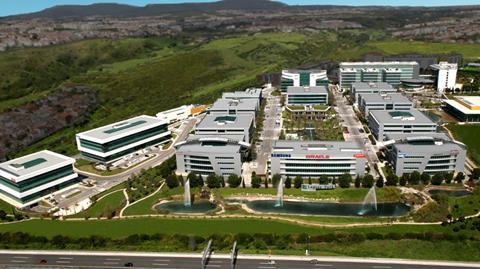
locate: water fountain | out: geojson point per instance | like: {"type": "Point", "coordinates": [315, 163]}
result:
{"type": "Point", "coordinates": [369, 202]}
{"type": "Point", "coordinates": [187, 198]}
{"type": "Point", "coordinates": [279, 202]}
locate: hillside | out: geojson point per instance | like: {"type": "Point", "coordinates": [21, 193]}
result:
{"type": "Point", "coordinates": [121, 10]}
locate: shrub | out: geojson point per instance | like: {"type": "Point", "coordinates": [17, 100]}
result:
{"type": "Point", "coordinates": [368, 181]}
{"type": "Point", "coordinates": [233, 181]}
{"type": "Point", "coordinates": [379, 182]}
{"type": "Point", "coordinates": [425, 178]}
{"type": "Point", "coordinates": [460, 177]}
{"type": "Point", "coordinates": [437, 179]}
{"type": "Point", "coordinates": [172, 181]}
{"type": "Point", "coordinates": [288, 182]}
{"type": "Point", "coordinates": [297, 182]}
{"type": "Point", "coordinates": [392, 180]}
{"type": "Point", "coordinates": [358, 181]}
{"type": "Point", "coordinates": [414, 178]}
{"type": "Point", "coordinates": [256, 182]}
{"type": "Point", "coordinates": [213, 181]}
{"type": "Point", "coordinates": [275, 179]}
{"type": "Point", "coordinates": [345, 180]}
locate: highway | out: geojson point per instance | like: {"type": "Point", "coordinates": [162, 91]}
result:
{"type": "Point", "coordinates": [29, 259]}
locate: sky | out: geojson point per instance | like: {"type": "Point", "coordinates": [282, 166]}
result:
{"type": "Point", "coordinates": [12, 7]}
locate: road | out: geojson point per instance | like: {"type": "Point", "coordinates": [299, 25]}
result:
{"type": "Point", "coordinates": [28, 259]}
{"type": "Point", "coordinates": [270, 131]}
{"type": "Point", "coordinates": [353, 124]}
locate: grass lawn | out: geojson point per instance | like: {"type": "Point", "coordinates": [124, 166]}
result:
{"type": "Point", "coordinates": [122, 228]}
{"type": "Point", "coordinates": [8, 208]}
{"type": "Point", "coordinates": [110, 202]}
{"type": "Point", "coordinates": [468, 134]}
{"type": "Point", "coordinates": [465, 206]}
{"type": "Point", "coordinates": [145, 206]}
{"type": "Point", "coordinates": [344, 195]}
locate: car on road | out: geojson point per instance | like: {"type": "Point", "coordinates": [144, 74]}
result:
{"type": "Point", "coordinates": [42, 261]}
{"type": "Point", "coordinates": [128, 264]}
{"type": "Point", "coordinates": [313, 261]}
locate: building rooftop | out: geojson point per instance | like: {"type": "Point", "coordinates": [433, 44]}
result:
{"type": "Point", "coordinates": [384, 98]}
{"type": "Point", "coordinates": [248, 93]}
{"type": "Point", "coordinates": [378, 63]}
{"type": "Point", "coordinates": [465, 104]}
{"type": "Point", "coordinates": [242, 104]}
{"type": "Point", "coordinates": [218, 121]}
{"type": "Point", "coordinates": [411, 116]}
{"type": "Point", "coordinates": [212, 144]}
{"type": "Point", "coordinates": [406, 136]}
{"type": "Point", "coordinates": [368, 86]}
{"type": "Point", "coordinates": [307, 90]}
{"type": "Point", "coordinates": [422, 144]}
{"type": "Point", "coordinates": [33, 164]}
{"type": "Point", "coordinates": [321, 148]}
{"type": "Point", "coordinates": [444, 66]}
{"type": "Point", "coordinates": [299, 70]}
{"type": "Point", "coordinates": [121, 129]}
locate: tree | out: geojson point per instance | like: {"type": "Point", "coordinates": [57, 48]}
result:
{"type": "Point", "coordinates": [276, 179]}
{"type": "Point", "coordinates": [297, 182]}
{"type": "Point", "coordinates": [367, 181]}
{"type": "Point", "coordinates": [414, 178]}
{"type": "Point", "coordinates": [221, 180]}
{"type": "Point", "coordinates": [256, 181]}
{"type": "Point", "coordinates": [425, 178]}
{"type": "Point", "coordinates": [345, 180]}
{"type": "Point", "coordinates": [266, 183]}
{"type": "Point", "coordinates": [323, 179]}
{"type": "Point", "coordinates": [379, 182]}
{"type": "Point", "coordinates": [180, 180]}
{"type": "Point", "coordinates": [475, 173]}
{"type": "Point", "coordinates": [233, 181]}
{"type": "Point", "coordinates": [448, 178]}
{"type": "Point", "coordinates": [172, 181]}
{"type": "Point", "coordinates": [3, 215]}
{"type": "Point", "coordinates": [358, 182]}
{"type": "Point", "coordinates": [403, 180]}
{"type": "Point", "coordinates": [460, 177]}
{"type": "Point", "coordinates": [392, 180]}
{"type": "Point", "coordinates": [288, 182]}
{"type": "Point", "coordinates": [192, 177]}
{"type": "Point", "coordinates": [212, 181]}
{"type": "Point", "coordinates": [437, 179]}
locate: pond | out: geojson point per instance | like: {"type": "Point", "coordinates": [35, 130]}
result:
{"type": "Point", "coordinates": [322, 208]}
{"type": "Point", "coordinates": [177, 207]}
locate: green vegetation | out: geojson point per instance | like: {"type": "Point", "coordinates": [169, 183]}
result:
{"type": "Point", "coordinates": [144, 207]}
{"type": "Point", "coordinates": [108, 206]}
{"type": "Point", "coordinates": [144, 76]}
{"type": "Point", "coordinates": [468, 134]}
{"type": "Point", "coordinates": [466, 205]}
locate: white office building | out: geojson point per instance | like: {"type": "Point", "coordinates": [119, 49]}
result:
{"type": "Point", "coordinates": [445, 75]}
{"type": "Point", "coordinates": [385, 101]}
{"type": "Point", "coordinates": [176, 114]}
{"type": "Point", "coordinates": [317, 95]}
{"type": "Point", "coordinates": [222, 124]}
{"type": "Point", "coordinates": [250, 93]}
{"type": "Point", "coordinates": [109, 143]}
{"type": "Point", "coordinates": [430, 153]}
{"type": "Point", "coordinates": [387, 122]}
{"type": "Point", "coordinates": [316, 158]}
{"type": "Point", "coordinates": [370, 87]}
{"type": "Point", "coordinates": [389, 72]}
{"type": "Point", "coordinates": [26, 180]}
{"type": "Point", "coordinates": [300, 77]}
{"type": "Point", "coordinates": [211, 154]}
{"type": "Point", "coordinates": [235, 107]}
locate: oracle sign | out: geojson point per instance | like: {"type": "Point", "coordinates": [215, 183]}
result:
{"type": "Point", "coordinates": [317, 156]}
{"type": "Point", "coordinates": [359, 155]}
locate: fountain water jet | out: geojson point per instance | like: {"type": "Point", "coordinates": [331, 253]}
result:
{"type": "Point", "coordinates": [187, 198]}
{"type": "Point", "coordinates": [279, 202]}
{"type": "Point", "coordinates": [369, 202]}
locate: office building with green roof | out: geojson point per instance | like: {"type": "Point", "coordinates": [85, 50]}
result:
{"type": "Point", "coordinates": [112, 142]}
{"type": "Point", "coordinates": [26, 180]}
{"type": "Point", "coordinates": [301, 77]}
